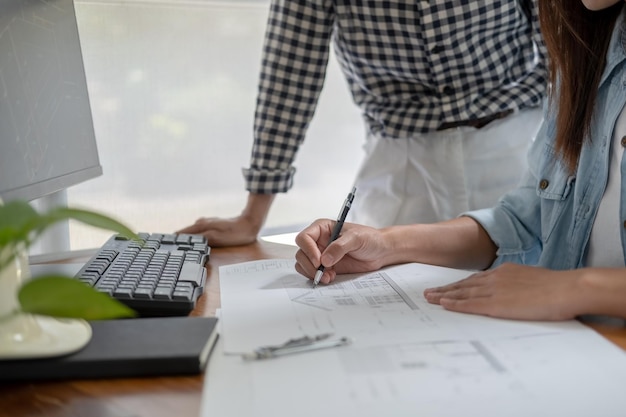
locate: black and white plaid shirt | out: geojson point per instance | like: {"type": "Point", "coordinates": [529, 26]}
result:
{"type": "Point", "coordinates": [410, 66]}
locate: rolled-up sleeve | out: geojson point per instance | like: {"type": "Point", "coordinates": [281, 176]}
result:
{"type": "Point", "coordinates": [293, 68]}
{"type": "Point", "coordinates": [514, 225]}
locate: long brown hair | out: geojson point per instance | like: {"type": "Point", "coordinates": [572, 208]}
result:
{"type": "Point", "coordinates": [577, 40]}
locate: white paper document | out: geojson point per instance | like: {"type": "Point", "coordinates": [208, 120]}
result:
{"type": "Point", "coordinates": [407, 358]}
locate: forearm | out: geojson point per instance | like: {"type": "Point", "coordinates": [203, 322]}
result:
{"type": "Point", "coordinates": [257, 209]}
{"type": "Point", "coordinates": [600, 291]}
{"type": "Point", "coordinates": [458, 243]}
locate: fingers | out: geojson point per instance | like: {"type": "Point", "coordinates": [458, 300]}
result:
{"type": "Point", "coordinates": [471, 281]}
{"type": "Point", "coordinates": [469, 295]}
{"type": "Point", "coordinates": [357, 249]}
{"type": "Point", "coordinates": [305, 268]}
{"type": "Point", "coordinates": [313, 239]}
{"type": "Point", "coordinates": [221, 232]}
{"type": "Point", "coordinates": [463, 293]}
{"type": "Point", "coordinates": [311, 243]}
{"type": "Point", "coordinates": [199, 227]}
{"type": "Point", "coordinates": [195, 228]}
{"type": "Point", "coordinates": [315, 250]}
{"type": "Point", "coordinates": [474, 286]}
{"type": "Point", "coordinates": [487, 293]}
{"type": "Point", "coordinates": [336, 250]}
{"type": "Point", "coordinates": [304, 265]}
{"type": "Point", "coordinates": [479, 305]}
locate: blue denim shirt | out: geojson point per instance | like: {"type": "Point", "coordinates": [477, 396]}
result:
{"type": "Point", "coordinates": [547, 220]}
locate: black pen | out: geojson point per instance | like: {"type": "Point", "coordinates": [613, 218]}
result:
{"type": "Point", "coordinates": [336, 230]}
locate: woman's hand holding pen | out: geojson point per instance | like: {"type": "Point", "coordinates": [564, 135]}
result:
{"type": "Point", "coordinates": [358, 249]}
{"type": "Point", "coordinates": [458, 243]}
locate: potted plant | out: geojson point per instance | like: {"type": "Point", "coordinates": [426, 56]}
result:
{"type": "Point", "coordinates": [46, 315]}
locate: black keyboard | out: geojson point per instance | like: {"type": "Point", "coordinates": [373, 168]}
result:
{"type": "Point", "coordinates": [159, 275]}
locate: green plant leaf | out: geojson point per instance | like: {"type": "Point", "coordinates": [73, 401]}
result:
{"type": "Point", "coordinates": [18, 221]}
{"type": "Point", "coordinates": [16, 218]}
{"type": "Point", "coordinates": [20, 225]}
{"type": "Point", "coordinates": [60, 296]}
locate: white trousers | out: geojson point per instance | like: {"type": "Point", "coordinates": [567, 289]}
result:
{"type": "Point", "coordinates": [439, 175]}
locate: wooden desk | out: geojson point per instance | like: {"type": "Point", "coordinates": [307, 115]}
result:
{"type": "Point", "coordinates": [155, 397]}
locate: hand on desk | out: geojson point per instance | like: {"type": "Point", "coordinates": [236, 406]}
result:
{"type": "Point", "coordinates": [224, 232]}
{"type": "Point", "coordinates": [239, 230]}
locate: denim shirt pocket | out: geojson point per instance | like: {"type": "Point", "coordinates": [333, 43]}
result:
{"type": "Point", "coordinates": [554, 184]}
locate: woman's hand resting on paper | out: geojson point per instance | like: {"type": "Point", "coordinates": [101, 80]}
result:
{"type": "Point", "coordinates": [515, 292]}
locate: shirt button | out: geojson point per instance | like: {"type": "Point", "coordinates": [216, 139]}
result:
{"type": "Point", "coordinates": [623, 142]}
{"type": "Point", "coordinates": [447, 90]}
{"type": "Point", "coordinates": [543, 184]}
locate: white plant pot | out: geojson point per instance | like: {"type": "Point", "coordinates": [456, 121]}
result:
{"type": "Point", "coordinates": [11, 278]}
{"type": "Point", "coordinates": [25, 336]}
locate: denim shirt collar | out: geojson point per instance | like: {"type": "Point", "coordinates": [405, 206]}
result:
{"type": "Point", "coordinates": [617, 47]}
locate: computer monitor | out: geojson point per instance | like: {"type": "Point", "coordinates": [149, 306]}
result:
{"type": "Point", "coordinates": [47, 140]}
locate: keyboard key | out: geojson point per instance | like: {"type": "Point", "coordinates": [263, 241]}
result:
{"type": "Point", "coordinates": [192, 273]}
{"type": "Point", "coordinates": [163, 293]}
{"type": "Point", "coordinates": [143, 293]}
{"type": "Point", "coordinates": [182, 295]}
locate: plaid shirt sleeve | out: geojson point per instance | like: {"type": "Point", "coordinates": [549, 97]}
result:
{"type": "Point", "coordinates": [293, 69]}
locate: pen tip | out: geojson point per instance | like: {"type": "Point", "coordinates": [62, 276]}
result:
{"type": "Point", "coordinates": [318, 277]}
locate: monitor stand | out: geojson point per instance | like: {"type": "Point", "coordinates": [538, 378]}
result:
{"type": "Point", "coordinates": [56, 237]}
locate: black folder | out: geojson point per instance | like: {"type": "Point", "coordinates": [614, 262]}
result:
{"type": "Point", "coordinates": [156, 346]}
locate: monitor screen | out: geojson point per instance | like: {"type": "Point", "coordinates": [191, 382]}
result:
{"type": "Point", "coordinates": [47, 140]}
